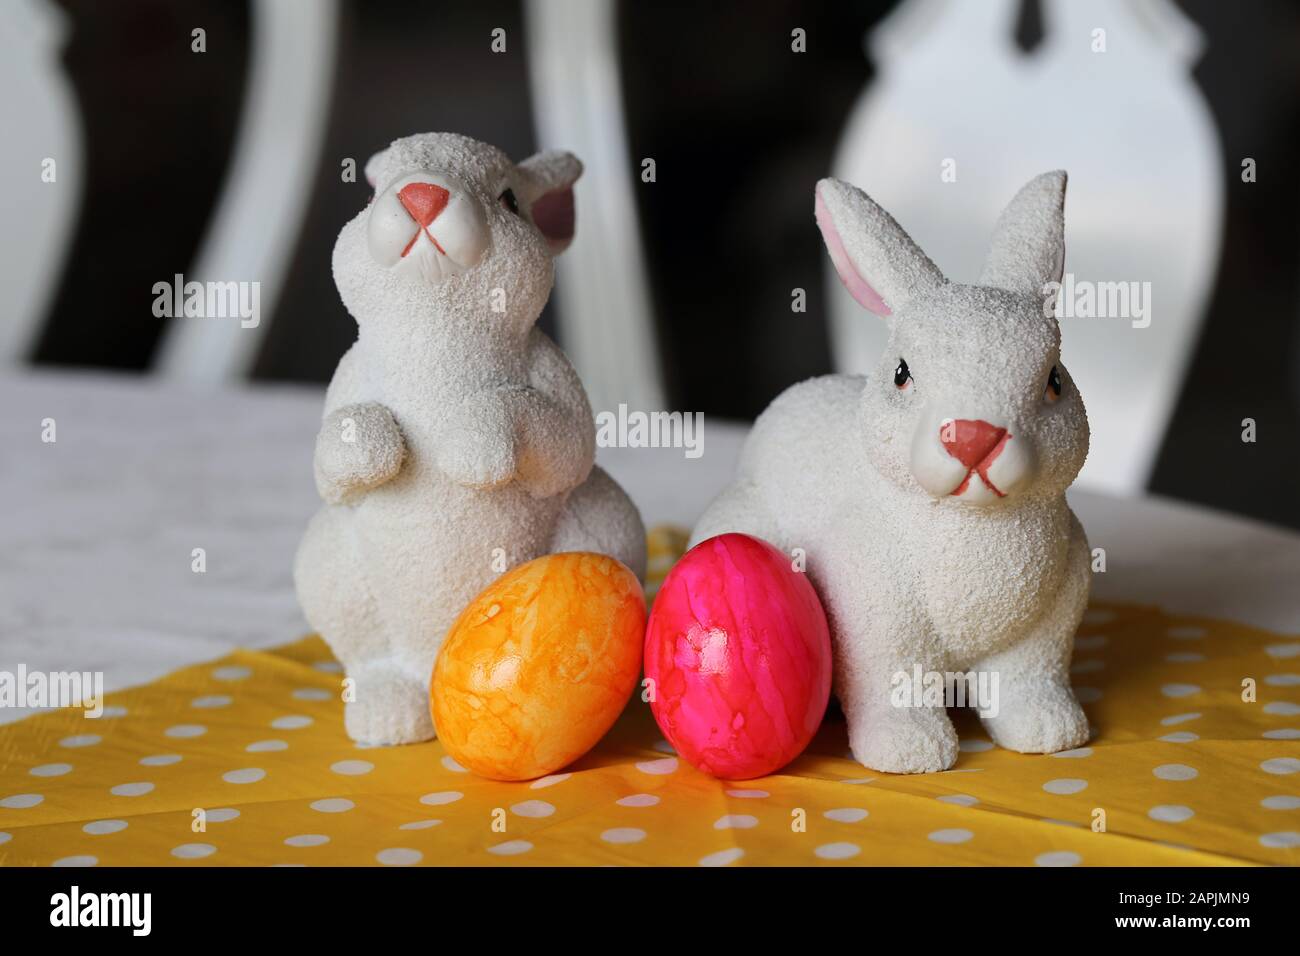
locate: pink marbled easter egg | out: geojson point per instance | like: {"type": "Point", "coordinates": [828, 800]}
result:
{"type": "Point", "coordinates": [739, 654]}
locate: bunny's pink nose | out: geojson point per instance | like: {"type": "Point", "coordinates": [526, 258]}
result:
{"type": "Point", "coordinates": [424, 201]}
{"type": "Point", "coordinates": [972, 442]}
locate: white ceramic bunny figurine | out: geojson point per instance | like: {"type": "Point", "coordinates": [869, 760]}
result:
{"type": "Point", "coordinates": [457, 440]}
{"type": "Point", "coordinates": [929, 497]}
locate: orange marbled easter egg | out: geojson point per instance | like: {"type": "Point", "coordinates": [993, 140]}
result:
{"type": "Point", "coordinates": [538, 667]}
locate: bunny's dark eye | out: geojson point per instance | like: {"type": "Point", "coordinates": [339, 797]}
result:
{"type": "Point", "coordinates": [1053, 390]}
{"type": "Point", "coordinates": [902, 375]}
{"type": "Point", "coordinates": [509, 201]}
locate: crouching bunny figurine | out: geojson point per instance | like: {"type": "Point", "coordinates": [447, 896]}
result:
{"type": "Point", "coordinates": [456, 440]}
{"type": "Point", "coordinates": [929, 497]}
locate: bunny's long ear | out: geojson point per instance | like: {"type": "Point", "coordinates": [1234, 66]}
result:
{"type": "Point", "coordinates": [1028, 249]}
{"type": "Point", "coordinates": [877, 261]}
{"type": "Point", "coordinates": [550, 176]}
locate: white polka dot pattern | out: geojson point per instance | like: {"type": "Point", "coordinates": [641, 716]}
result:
{"type": "Point", "coordinates": [245, 760]}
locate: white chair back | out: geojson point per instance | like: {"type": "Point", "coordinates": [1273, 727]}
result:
{"type": "Point", "coordinates": [40, 169]}
{"type": "Point", "coordinates": [263, 203]}
{"type": "Point", "coordinates": [604, 311]}
{"type": "Point", "coordinates": [1109, 97]}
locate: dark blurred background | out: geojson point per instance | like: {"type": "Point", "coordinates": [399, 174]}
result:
{"type": "Point", "coordinates": [739, 130]}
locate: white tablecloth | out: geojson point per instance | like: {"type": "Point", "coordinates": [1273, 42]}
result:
{"type": "Point", "coordinates": [98, 527]}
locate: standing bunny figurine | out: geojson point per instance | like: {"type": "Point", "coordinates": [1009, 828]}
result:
{"type": "Point", "coordinates": [929, 497]}
{"type": "Point", "coordinates": [456, 440]}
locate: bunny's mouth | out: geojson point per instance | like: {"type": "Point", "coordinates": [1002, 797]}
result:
{"type": "Point", "coordinates": [427, 225]}
{"type": "Point", "coordinates": [969, 460]}
{"type": "Point", "coordinates": [976, 445]}
{"type": "Point", "coordinates": [982, 467]}
{"type": "Point", "coordinates": [427, 256]}
{"type": "Point", "coordinates": [415, 238]}
{"type": "Point", "coordinates": [984, 476]}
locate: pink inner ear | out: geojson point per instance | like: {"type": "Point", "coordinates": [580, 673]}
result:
{"type": "Point", "coordinates": [553, 213]}
{"type": "Point", "coordinates": [858, 287]}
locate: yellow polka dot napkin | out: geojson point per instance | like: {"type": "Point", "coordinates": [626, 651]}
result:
{"type": "Point", "coordinates": [243, 761]}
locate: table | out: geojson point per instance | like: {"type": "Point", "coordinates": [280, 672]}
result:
{"type": "Point", "coordinates": [100, 529]}
{"type": "Point", "coordinates": [100, 526]}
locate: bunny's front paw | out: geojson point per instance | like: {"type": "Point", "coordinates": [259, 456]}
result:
{"type": "Point", "coordinates": [1044, 721]}
{"type": "Point", "coordinates": [903, 739]}
{"type": "Point", "coordinates": [358, 448]}
{"type": "Point", "coordinates": [477, 448]}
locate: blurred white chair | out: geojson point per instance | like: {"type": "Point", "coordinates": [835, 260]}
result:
{"type": "Point", "coordinates": [41, 121]}
{"type": "Point", "coordinates": [604, 311]}
{"type": "Point", "coordinates": [264, 199]}
{"type": "Point", "coordinates": [1145, 200]}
